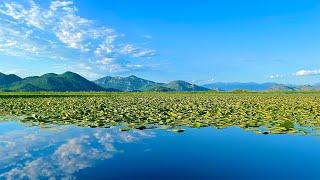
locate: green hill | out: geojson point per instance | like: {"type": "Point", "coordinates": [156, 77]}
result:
{"type": "Point", "coordinates": [6, 80]}
{"type": "Point", "coordinates": [68, 81]}
{"type": "Point", "coordinates": [184, 86]}
{"type": "Point", "coordinates": [158, 88]}
{"type": "Point", "coordinates": [130, 83]}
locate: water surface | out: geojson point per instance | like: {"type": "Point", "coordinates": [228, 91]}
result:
{"type": "Point", "coordinates": [73, 152]}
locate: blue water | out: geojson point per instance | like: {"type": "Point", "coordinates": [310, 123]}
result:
{"type": "Point", "coordinates": [84, 153]}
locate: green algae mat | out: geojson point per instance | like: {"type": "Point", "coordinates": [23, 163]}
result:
{"type": "Point", "coordinates": [258, 112]}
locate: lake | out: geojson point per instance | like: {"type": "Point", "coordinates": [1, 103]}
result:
{"type": "Point", "coordinates": [71, 152]}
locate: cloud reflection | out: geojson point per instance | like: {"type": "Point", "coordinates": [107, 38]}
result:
{"type": "Point", "coordinates": [33, 153]}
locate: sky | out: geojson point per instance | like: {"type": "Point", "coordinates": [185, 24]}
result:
{"type": "Point", "coordinates": [201, 41]}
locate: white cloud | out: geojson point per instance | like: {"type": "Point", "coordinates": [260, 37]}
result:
{"type": "Point", "coordinates": [202, 81]}
{"type": "Point", "coordinates": [58, 32]}
{"type": "Point", "coordinates": [136, 65]}
{"type": "Point", "coordinates": [145, 53]}
{"type": "Point", "coordinates": [105, 61]}
{"type": "Point", "coordinates": [128, 49]}
{"type": "Point", "coordinates": [137, 52]}
{"type": "Point", "coordinates": [307, 72]}
{"type": "Point", "coordinates": [275, 76]}
{"type": "Point", "coordinates": [58, 4]}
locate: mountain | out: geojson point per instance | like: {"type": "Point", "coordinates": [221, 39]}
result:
{"type": "Point", "coordinates": [130, 83]}
{"type": "Point", "coordinates": [316, 87]}
{"type": "Point", "coordinates": [260, 87]}
{"type": "Point", "coordinates": [68, 81]}
{"type": "Point", "coordinates": [184, 86]}
{"type": "Point", "coordinates": [6, 80]}
{"type": "Point", "coordinates": [282, 87]}
{"type": "Point", "coordinates": [133, 83]}
{"type": "Point", "coordinates": [158, 88]}
{"type": "Point", "coordinates": [251, 86]}
{"type": "Point", "coordinates": [73, 82]}
{"type": "Point", "coordinates": [307, 88]}
{"type": "Point", "coordinates": [175, 86]}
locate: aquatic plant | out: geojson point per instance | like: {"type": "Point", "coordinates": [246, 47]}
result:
{"type": "Point", "coordinates": [261, 113]}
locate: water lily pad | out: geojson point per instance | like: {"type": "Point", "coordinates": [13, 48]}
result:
{"type": "Point", "coordinates": [277, 113]}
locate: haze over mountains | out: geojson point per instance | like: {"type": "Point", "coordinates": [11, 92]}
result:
{"type": "Point", "coordinates": [252, 86]}
{"type": "Point", "coordinates": [73, 82]}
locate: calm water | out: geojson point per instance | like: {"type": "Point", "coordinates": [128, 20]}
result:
{"type": "Point", "coordinates": [84, 153]}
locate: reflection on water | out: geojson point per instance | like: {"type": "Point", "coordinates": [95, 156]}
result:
{"type": "Point", "coordinates": [71, 152]}
{"type": "Point", "coordinates": [30, 152]}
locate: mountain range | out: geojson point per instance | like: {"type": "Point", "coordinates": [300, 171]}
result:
{"type": "Point", "coordinates": [133, 83]}
{"type": "Point", "coordinates": [73, 82]}
{"type": "Point", "coordinates": [49, 82]}
{"type": "Point", "coordinates": [252, 86]}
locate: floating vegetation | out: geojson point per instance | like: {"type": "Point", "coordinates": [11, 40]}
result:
{"type": "Point", "coordinates": [261, 113]}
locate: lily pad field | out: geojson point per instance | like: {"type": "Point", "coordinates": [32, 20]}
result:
{"type": "Point", "coordinates": [263, 113]}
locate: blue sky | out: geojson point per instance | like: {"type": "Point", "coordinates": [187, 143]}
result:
{"type": "Point", "coordinates": [198, 41]}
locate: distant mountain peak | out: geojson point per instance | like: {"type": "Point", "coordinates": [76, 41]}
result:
{"type": "Point", "coordinates": [133, 76]}
{"type": "Point", "coordinates": [179, 82]}
{"type": "Point", "coordinates": [6, 80]}
{"type": "Point", "coordinates": [134, 83]}
{"type": "Point", "coordinates": [253, 86]}
{"type": "Point", "coordinates": [69, 73]}
{"type": "Point", "coordinates": [130, 83]}
{"type": "Point", "coordinates": [49, 74]}
{"type": "Point", "coordinates": [180, 85]}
